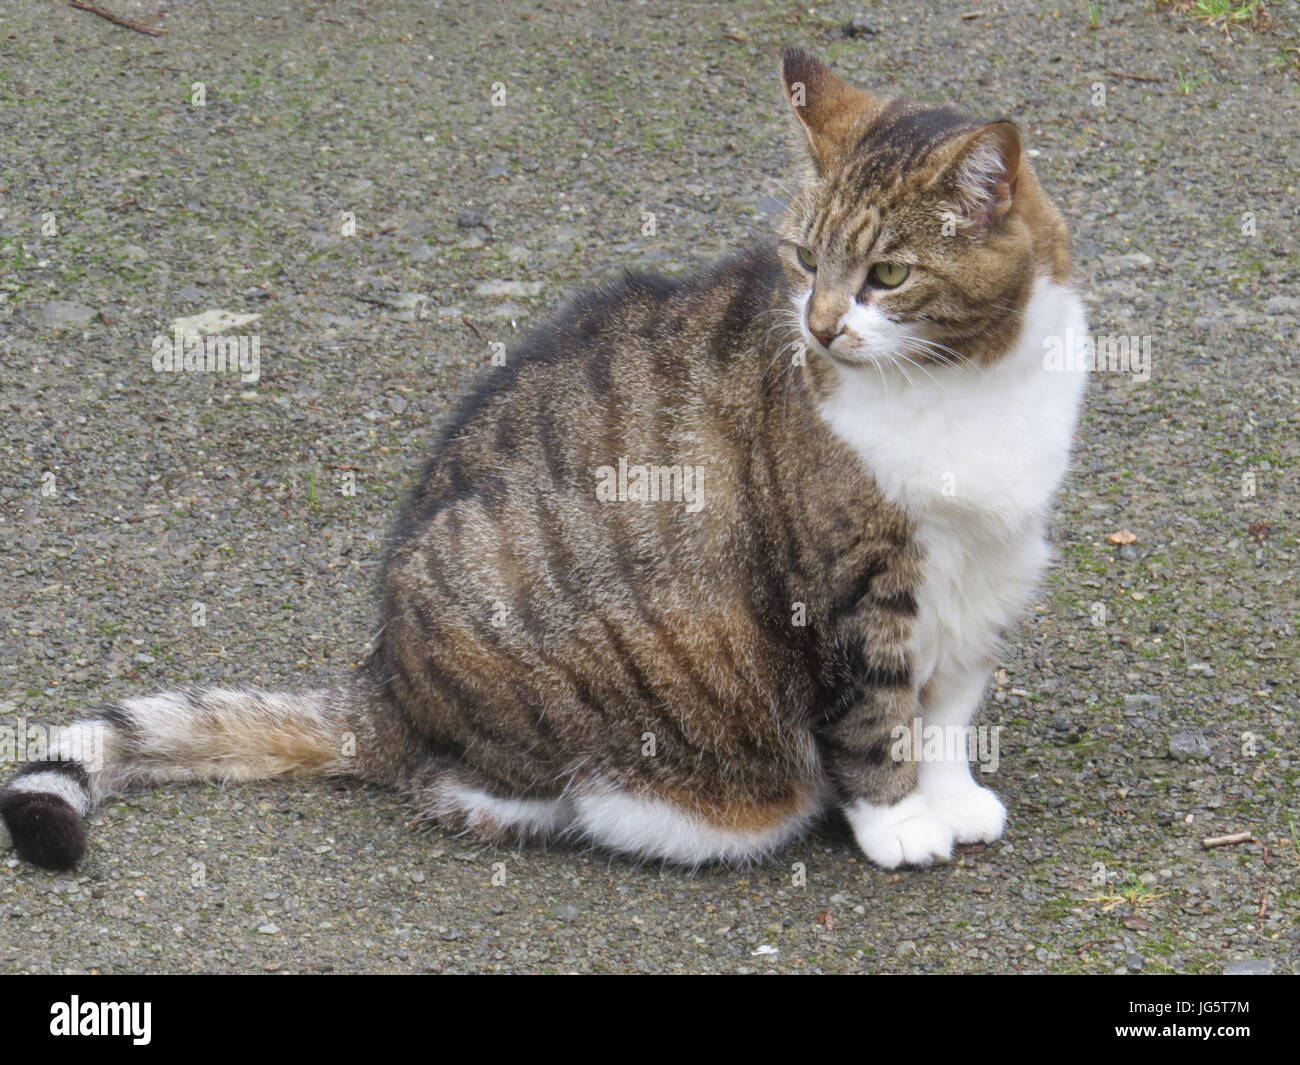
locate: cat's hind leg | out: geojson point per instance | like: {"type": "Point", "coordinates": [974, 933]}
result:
{"type": "Point", "coordinates": [642, 825]}
{"type": "Point", "coordinates": [460, 801]}
{"type": "Point", "coordinates": [617, 819]}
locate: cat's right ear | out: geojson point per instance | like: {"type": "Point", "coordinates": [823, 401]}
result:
{"type": "Point", "coordinates": [831, 111]}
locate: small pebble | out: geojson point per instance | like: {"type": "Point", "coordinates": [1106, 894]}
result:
{"type": "Point", "coordinates": [860, 26]}
{"type": "Point", "coordinates": [1250, 967]}
{"type": "Point", "coordinates": [1186, 747]}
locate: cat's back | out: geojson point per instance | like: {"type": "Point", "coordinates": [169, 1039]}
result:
{"type": "Point", "coordinates": [638, 363]}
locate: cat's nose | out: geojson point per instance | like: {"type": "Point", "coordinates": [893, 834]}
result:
{"type": "Point", "coordinates": [825, 336]}
{"type": "Point", "coordinates": [824, 315]}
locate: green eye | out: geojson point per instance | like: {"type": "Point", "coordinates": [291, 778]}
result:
{"type": "Point", "coordinates": [807, 258]}
{"type": "Point", "coordinates": [889, 275]}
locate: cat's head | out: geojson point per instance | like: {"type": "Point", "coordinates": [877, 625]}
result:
{"type": "Point", "coordinates": [918, 232]}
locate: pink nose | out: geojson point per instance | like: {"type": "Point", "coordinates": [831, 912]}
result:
{"type": "Point", "coordinates": [824, 336]}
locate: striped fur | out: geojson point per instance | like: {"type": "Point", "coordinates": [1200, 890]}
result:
{"type": "Point", "coordinates": [691, 680]}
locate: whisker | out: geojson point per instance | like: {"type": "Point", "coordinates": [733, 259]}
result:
{"type": "Point", "coordinates": [781, 351]}
{"type": "Point", "coordinates": [933, 349]}
{"type": "Point", "coordinates": [927, 373]}
{"type": "Point", "coordinates": [893, 361]}
{"type": "Point", "coordinates": [880, 370]}
{"type": "Point", "coordinates": [935, 357]}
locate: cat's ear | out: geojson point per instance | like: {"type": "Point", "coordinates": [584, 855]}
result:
{"type": "Point", "coordinates": [983, 169]}
{"type": "Point", "coordinates": [831, 111]}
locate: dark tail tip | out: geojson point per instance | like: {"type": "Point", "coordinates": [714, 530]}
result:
{"type": "Point", "coordinates": [46, 830]}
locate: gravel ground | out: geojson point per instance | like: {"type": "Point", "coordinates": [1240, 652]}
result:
{"type": "Point", "coordinates": [1148, 701]}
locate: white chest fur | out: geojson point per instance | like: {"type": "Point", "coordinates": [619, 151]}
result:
{"type": "Point", "coordinates": [973, 455]}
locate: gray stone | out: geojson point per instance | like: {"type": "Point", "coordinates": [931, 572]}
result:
{"type": "Point", "coordinates": [1185, 747]}
{"type": "Point", "coordinates": [512, 289]}
{"type": "Point", "coordinates": [67, 312]}
{"type": "Point", "coordinates": [1282, 305]}
{"type": "Point", "coordinates": [1250, 967]}
{"type": "Point", "coordinates": [403, 301]}
{"type": "Point", "coordinates": [1137, 260]}
{"type": "Point", "coordinates": [336, 321]}
{"type": "Point", "coordinates": [860, 26]}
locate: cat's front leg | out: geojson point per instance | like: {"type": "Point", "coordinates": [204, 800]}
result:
{"type": "Point", "coordinates": [878, 783]}
{"type": "Point", "coordinates": [948, 703]}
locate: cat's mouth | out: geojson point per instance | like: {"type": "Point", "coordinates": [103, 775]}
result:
{"type": "Point", "coordinates": [903, 353]}
{"type": "Point", "coordinates": [849, 347]}
{"type": "Point", "coordinates": [848, 358]}
{"type": "Point", "coordinates": [839, 351]}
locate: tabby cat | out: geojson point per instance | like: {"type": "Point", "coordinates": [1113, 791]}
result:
{"type": "Point", "coordinates": [681, 570]}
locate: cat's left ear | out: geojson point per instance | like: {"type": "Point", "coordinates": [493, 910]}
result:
{"type": "Point", "coordinates": [983, 168]}
{"type": "Point", "coordinates": [831, 111]}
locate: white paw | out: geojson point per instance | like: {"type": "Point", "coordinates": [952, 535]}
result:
{"type": "Point", "coordinates": [907, 833]}
{"type": "Point", "coordinates": [972, 814]}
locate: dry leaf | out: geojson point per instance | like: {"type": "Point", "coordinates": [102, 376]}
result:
{"type": "Point", "coordinates": [1123, 536]}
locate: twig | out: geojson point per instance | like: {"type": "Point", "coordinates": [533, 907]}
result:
{"type": "Point", "coordinates": [1227, 841]}
{"type": "Point", "coordinates": [1133, 77]}
{"type": "Point", "coordinates": [117, 20]}
{"type": "Point", "coordinates": [465, 318]}
{"type": "Point", "coordinates": [118, 206]}
{"type": "Point", "coordinates": [968, 15]}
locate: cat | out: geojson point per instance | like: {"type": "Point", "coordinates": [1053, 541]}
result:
{"type": "Point", "coordinates": [682, 571]}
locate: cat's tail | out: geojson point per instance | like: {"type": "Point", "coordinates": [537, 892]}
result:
{"type": "Point", "coordinates": [225, 734]}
